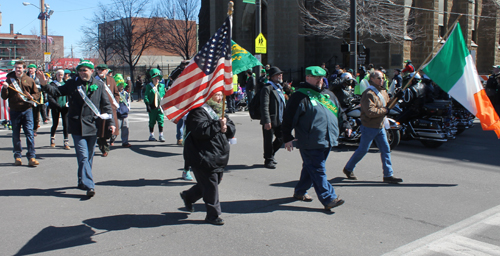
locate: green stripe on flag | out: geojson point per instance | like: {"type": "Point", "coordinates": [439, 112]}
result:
{"type": "Point", "coordinates": [242, 59]}
{"type": "Point", "coordinates": [446, 68]}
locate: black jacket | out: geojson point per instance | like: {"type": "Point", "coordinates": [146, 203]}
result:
{"type": "Point", "coordinates": [315, 126]}
{"type": "Point", "coordinates": [250, 84]}
{"type": "Point", "coordinates": [269, 106]}
{"type": "Point", "coordinates": [205, 146]}
{"type": "Point", "coordinates": [81, 119]}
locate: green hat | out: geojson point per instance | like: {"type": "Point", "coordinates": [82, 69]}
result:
{"type": "Point", "coordinates": [315, 71]}
{"type": "Point", "coordinates": [154, 73]}
{"type": "Point", "coordinates": [85, 63]}
{"type": "Point", "coordinates": [119, 80]}
{"type": "Point", "coordinates": [263, 70]}
{"type": "Point", "coordinates": [31, 66]}
{"type": "Point", "coordinates": [102, 66]}
{"type": "Point", "coordinates": [407, 61]}
{"type": "Point", "coordinates": [67, 71]}
{"type": "Point", "coordinates": [497, 66]}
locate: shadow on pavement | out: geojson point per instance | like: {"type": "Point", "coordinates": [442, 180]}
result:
{"type": "Point", "coordinates": [144, 182]}
{"type": "Point", "coordinates": [242, 167]}
{"type": "Point", "coordinates": [57, 192]}
{"type": "Point", "coordinates": [143, 150]}
{"type": "Point", "coordinates": [344, 182]}
{"type": "Point", "coordinates": [126, 221]}
{"type": "Point", "coordinates": [55, 238]}
{"type": "Point", "coordinates": [266, 206]}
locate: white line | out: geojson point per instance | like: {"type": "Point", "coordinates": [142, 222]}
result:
{"type": "Point", "coordinates": [420, 246]}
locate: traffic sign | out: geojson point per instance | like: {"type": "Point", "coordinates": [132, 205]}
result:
{"type": "Point", "coordinates": [46, 56]}
{"type": "Point", "coordinates": [261, 44]}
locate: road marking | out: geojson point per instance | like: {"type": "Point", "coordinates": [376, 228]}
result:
{"type": "Point", "coordinates": [455, 239]}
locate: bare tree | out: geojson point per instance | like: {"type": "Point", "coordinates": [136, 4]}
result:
{"type": "Point", "coordinates": [98, 39]}
{"type": "Point", "coordinates": [379, 20]}
{"type": "Point", "coordinates": [177, 31]}
{"type": "Point", "coordinates": [133, 30]}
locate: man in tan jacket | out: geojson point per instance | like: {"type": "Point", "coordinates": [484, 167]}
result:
{"type": "Point", "coordinates": [373, 110]}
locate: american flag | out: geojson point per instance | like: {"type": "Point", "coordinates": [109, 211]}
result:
{"type": "Point", "coordinates": [4, 104]}
{"type": "Point", "coordinates": [208, 72]}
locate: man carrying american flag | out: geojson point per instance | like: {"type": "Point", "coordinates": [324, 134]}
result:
{"type": "Point", "coordinates": [206, 147]}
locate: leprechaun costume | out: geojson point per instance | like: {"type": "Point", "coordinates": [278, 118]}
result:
{"type": "Point", "coordinates": [153, 95]}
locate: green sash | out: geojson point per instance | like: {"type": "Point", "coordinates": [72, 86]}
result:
{"type": "Point", "coordinates": [322, 99]}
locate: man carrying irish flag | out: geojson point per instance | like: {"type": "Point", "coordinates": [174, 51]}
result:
{"type": "Point", "coordinates": [453, 69]}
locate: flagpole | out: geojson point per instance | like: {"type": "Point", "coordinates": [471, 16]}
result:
{"type": "Point", "coordinates": [230, 10]}
{"type": "Point", "coordinates": [24, 94]}
{"type": "Point", "coordinates": [395, 99]}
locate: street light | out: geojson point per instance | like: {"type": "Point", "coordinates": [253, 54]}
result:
{"type": "Point", "coordinates": [44, 15]}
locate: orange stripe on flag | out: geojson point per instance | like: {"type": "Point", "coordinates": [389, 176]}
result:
{"type": "Point", "coordinates": [486, 113]}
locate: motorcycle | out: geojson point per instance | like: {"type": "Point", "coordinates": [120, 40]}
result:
{"type": "Point", "coordinates": [430, 123]}
{"type": "Point", "coordinates": [464, 118]}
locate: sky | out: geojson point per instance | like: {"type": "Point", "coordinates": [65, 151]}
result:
{"type": "Point", "coordinates": [69, 16]}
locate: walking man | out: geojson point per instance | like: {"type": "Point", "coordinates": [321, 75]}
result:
{"type": "Point", "coordinates": [272, 106]}
{"type": "Point", "coordinates": [88, 101]}
{"type": "Point", "coordinates": [21, 113]}
{"type": "Point", "coordinates": [373, 112]}
{"type": "Point", "coordinates": [315, 115]}
{"type": "Point", "coordinates": [154, 93]}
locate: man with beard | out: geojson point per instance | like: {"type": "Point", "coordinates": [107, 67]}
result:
{"type": "Point", "coordinates": [88, 102]}
{"type": "Point", "coordinates": [273, 103]}
{"type": "Point", "coordinates": [114, 97]}
{"type": "Point", "coordinates": [21, 113]}
{"type": "Point", "coordinates": [315, 115]}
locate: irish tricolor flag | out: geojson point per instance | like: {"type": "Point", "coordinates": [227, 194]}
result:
{"type": "Point", "coordinates": [454, 71]}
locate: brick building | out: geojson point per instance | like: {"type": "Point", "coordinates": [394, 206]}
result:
{"type": "Point", "coordinates": [29, 47]}
{"type": "Point", "coordinates": [287, 49]}
{"type": "Point", "coordinates": [152, 56]}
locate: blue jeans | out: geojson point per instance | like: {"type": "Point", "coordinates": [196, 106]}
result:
{"type": "Point", "coordinates": [85, 147]}
{"type": "Point", "coordinates": [368, 135]}
{"type": "Point", "coordinates": [24, 119]}
{"type": "Point", "coordinates": [314, 174]}
{"type": "Point", "coordinates": [179, 132]}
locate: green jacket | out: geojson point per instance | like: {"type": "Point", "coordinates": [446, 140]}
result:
{"type": "Point", "coordinates": [149, 95]}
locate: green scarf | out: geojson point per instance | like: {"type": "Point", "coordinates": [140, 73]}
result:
{"type": "Point", "coordinates": [316, 97]}
{"type": "Point", "coordinates": [217, 107]}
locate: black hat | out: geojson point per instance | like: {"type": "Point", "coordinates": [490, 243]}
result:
{"type": "Point", "coordinates": [398, 69]}
{"type": "Point", "coordinates": [275, 71]}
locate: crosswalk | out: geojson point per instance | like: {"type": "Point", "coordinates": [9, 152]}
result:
{"type": "Point", "coordinates": [461, 238]}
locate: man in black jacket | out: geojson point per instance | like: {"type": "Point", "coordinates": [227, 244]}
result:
{"type": "Point", "coordinates": [250, 86]}
{"type": "Point", "coordinates": [206, 150]}
{"type": "Point", "coordinates": [272, 99]}
{"type": "Point", "coordinates": [88, 101]}
{"type": "Point", "coordinates": [315, 115]}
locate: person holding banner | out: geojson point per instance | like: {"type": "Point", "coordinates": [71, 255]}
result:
{"type": "Point", "coordinates": [21, 91]}
{"type": "Point", "coordinates": [88, 102]}
{"type": "Point", "coordinates": [154, 92]}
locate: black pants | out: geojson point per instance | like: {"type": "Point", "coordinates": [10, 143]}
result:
{"type": "Point", "coordinates": [207, 187]}
{"type": "Point", "coordinates": [55, 121]}
{"type": "Point", "coordinates": [270, 146]}
{"type": "Point", "coordinates": [40, 109]}
{"type": "Point", "coordinates": [231, 105]}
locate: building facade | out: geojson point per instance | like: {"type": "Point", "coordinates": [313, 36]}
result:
{"type": "Point", "coordinates": [289, 49]}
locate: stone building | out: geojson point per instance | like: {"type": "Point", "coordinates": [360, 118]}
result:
{"type": "Point", "coordinates": [290, 50]}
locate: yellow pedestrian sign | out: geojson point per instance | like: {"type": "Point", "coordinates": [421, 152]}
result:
{"type": "Point", "coordinates": [260, 44]}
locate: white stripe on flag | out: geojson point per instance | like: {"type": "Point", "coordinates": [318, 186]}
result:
{"type": "Point", "coordinates": [468, 85]}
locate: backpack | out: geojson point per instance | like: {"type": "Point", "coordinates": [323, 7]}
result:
{"type": "Point", "coordinates": [254, 106]}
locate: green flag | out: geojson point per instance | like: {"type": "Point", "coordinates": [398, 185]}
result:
{"type": "Point", "coordinates": [249, 1]}
{"type": "Point", "coordinates": [242, 59]}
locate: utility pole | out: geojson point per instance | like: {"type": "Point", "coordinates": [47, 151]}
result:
{"type": "Point", "coordinates": [72, 51]}
{"type": "Point", "coordinates": [354, 39]}
{"type": "Point", "coordinates": [258, 30]}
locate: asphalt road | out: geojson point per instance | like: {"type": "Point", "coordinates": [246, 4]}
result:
{"type": "Point", "coordinates": [447, 205]}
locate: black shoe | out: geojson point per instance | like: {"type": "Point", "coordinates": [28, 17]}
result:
{"type": "Point", "coordinates": [274, 161]}
{"type": "Point", "coordinates": [188, 205]}
{"type": "Point", "coordinates": [350, 175]}
{"type": "Point", "coordinates": [217, 221]}
{"type": "Point", "coordinates": [336, 202]}
{"type": "Point", "coordinates": [90, 192]}
{"type": "Point", "coordinates": [392, 180]}
{"type": "Point", "coordinates": [82, 187]}
{"type": "Point", "coordinates": [270, 165]}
